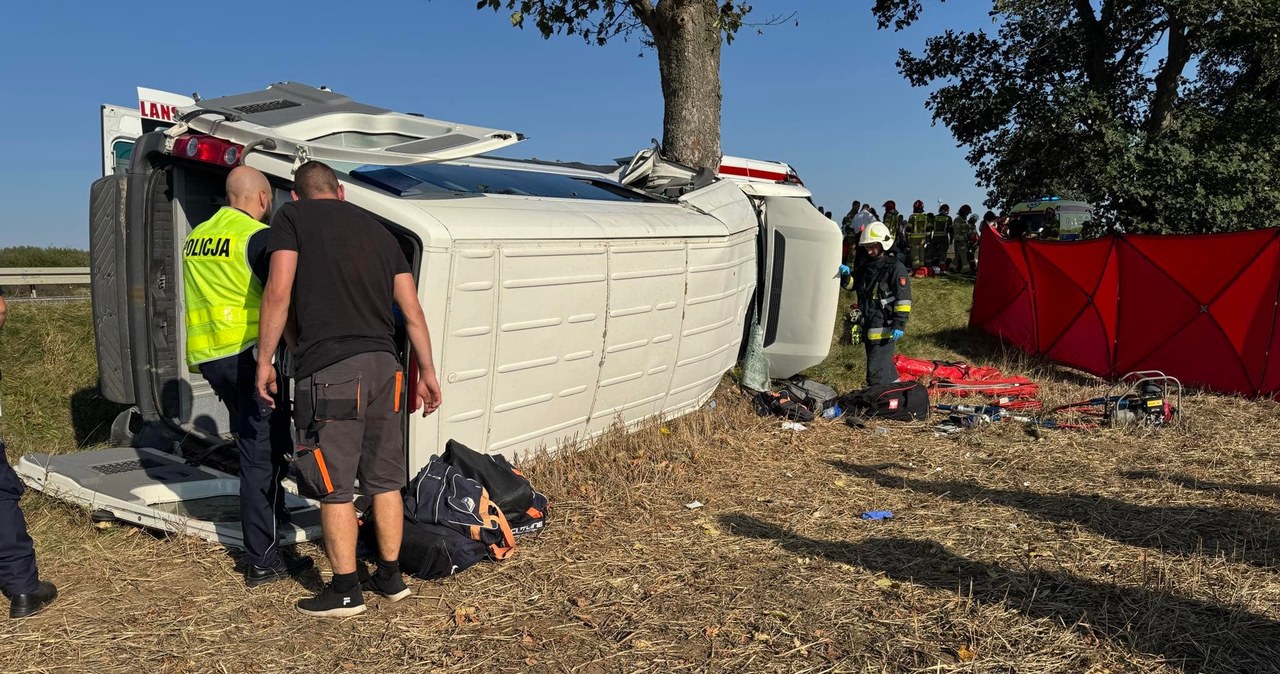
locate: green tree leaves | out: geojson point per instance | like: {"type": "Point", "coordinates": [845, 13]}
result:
{"type": "Point", "coordinates": [1164, 113]}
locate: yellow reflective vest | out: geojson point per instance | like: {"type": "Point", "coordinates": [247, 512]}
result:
{"type": "Point", "coordinates": [918, 225]}
{"type": "Point", "coordinates": [941, 226]}
{"type": "Point", "coordinates": [222, 294]}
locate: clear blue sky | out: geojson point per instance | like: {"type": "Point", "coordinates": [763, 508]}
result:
{"type": "Point", "coordinates": [824, 96]}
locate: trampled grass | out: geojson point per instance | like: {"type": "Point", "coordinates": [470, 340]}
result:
{"type": "Point", "coordinates": [1115, 550]}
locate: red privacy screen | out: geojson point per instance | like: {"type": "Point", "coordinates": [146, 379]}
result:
{"type": "Point", "coordinates": [1198, 307]}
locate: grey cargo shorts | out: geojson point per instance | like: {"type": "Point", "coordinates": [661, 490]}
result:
{"type": "Point", "coordinates": [349, 428]}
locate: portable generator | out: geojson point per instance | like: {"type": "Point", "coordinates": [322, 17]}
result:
{"type": "Point", "coordinates": [1147, 397]}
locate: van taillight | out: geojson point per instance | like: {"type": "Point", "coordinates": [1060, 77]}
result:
{"type": "Point", "coordinates": [793, 178]}
{"type": "Point", "coordinates": [207, 149]}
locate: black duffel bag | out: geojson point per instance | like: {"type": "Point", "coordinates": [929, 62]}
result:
{"type": "Point", "coordinates": [900, 401]}
{"type": "Point", "coordinates": [525, 508]}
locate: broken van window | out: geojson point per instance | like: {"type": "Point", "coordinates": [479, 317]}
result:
{"type": "Point", "coordinates": [422, 179]}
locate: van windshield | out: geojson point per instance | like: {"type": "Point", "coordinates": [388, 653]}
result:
{"type": "Point", "coordinates": [422, 179]}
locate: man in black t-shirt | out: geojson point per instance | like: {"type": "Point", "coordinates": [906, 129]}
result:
{"type": "Point", "coordinates": [335, 270]}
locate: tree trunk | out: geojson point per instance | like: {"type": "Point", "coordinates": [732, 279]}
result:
{"type": "Point", "coordinates": [687, 36]}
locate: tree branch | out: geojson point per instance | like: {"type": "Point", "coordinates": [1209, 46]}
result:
{"type": "Point", "coordinates": [1167, 79]}
{"type": "Point", "coordinates": [644, 11]}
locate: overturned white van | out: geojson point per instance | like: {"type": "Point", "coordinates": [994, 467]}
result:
{"type": "Point", "coordinates": [561, 302]}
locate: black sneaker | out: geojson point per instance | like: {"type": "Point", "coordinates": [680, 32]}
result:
{"type": "Point", "coordinates": [333, 604]}
{"type": "Point", "coordinates": [31, 603]}
{"type": "Point", "coordinates": [288, 565]}
{"type": "Point", "coordinates": [392, 588]}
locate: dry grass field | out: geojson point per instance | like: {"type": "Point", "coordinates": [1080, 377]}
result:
{"type": "Point", "coordinates": [1099, 551]}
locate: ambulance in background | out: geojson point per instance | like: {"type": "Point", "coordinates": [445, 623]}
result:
{"type": "Point", "coordinates": [1051, 218]}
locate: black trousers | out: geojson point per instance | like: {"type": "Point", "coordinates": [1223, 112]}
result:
{"type": "Point", "coordinates": [18, 573]}
{"type": "Point", "coordinates": [880, 367]}
{"type": "Point", "coordinates": [264, 442]}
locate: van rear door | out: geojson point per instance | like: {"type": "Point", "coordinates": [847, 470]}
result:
{"type": "Point", "coordinates": [303, 122]}
{"type": "Point", "coordinates": [121, 126]}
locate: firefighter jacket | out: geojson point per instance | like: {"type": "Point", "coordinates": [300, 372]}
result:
{"type": "Point", "coordinates": [893, 220]}
{"type": "Point", "coordinates": [884, 296]}
{"type": "Point", "coordinates": [918, 225]}
{"type": "Point", "coordinates": [941, 227]}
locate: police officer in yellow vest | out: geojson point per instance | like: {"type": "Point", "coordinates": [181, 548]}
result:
{"type": "Point", "coordinates": [224, 264]}
{"type": "Point", "coordinates": [918, 226]}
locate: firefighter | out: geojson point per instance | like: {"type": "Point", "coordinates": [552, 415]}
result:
{"type": "Point", "coordinates": [964, 233]}
{"type": "Point", "coordinates": [898, 228]}
{"type": "Point", "coordinates": [884, 303]}
{"type": "Point", "coordinates": [918, 224]}
{"type": "Point", "coordinates": [850, 237]}
{"type": "Point", "coordinates": [935, 253]}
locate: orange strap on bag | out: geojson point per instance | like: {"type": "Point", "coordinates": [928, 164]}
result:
{"type": "Point", "coordinates": [495, 521]}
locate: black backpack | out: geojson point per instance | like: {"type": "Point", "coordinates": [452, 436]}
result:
{"type": "Point", "coordinates": [900, 401]}
{"type": "Point", "coordinates": [524, 508]}
{"type": "Point", "coordinates": [781, 403]}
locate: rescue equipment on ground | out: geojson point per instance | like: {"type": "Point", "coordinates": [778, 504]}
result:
{"type": "Point", "coordinates": [899, 401]}
{"type": "Point", "coordinates": [780, 403]}
{"type": "Point", "coordinates": [1148, 398]}
{"type": "Point", "coordinates": [798, 399]}
{"type": "Point", "coordinates": [963, 379]}
{"type": "Point", "coordinates": [814, 395]}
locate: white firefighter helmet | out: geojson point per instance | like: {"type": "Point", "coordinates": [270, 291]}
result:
{"type": "Point", "coordinates": [877, 232]}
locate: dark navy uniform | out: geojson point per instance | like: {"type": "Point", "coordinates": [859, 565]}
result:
{"type": "Point", "coordinates": [884, 294]}
{"type": "Point", "coordinates": [18, 573]}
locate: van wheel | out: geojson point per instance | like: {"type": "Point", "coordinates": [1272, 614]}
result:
{"type": "Point", "coordinates": [102, 519]}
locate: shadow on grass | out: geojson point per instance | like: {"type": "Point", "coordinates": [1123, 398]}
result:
{"type": "Point", "coordinates": [971, 343]}
{"type": "Point", "coordinates": [1203, 485]}
{"type": "Point", "coordinates": [1194, 635]}
{"type": "Point", "coordinates": [1247, 536]}
{"type": "Point", "coordinates": [91, 416]}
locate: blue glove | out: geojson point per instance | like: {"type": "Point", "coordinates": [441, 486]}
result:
{"type": "Point", "coordinates": [845, 270]}
{"type": "Point", "coordinates": [897, 334]}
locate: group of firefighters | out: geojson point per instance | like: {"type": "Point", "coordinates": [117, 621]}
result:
{"type": "Point", "coordinates": [878, 258]}
{"type": "Point", "coordinates": [932, 241]}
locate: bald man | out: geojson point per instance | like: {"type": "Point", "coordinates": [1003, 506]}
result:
{"type": "Point", "coordinates": [224, 264]}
